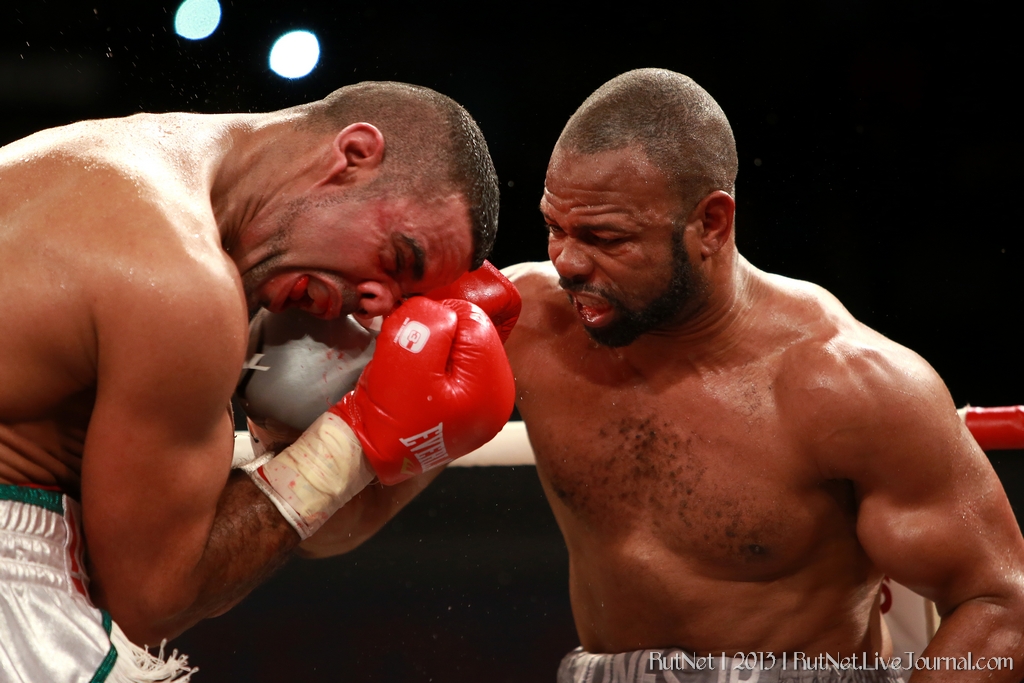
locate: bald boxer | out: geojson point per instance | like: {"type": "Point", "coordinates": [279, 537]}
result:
{"type": "Point", "coordinates": [735, 462]}
{"type": "Point", "coordinates": [133, 251]}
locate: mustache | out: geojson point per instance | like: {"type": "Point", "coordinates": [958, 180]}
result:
{"type": "Point", "coordinates": [613, 298]}
{"type": "Point", "coordinates": [578, 287]}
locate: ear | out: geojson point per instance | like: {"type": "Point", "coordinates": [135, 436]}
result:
{"type": "Point", "coordinates": [358, 148]}
{"type": "Point", "coordinates": [714, 215]}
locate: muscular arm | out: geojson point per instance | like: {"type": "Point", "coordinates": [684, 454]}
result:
{"type": "Point", "coordinates": [248, 542]}
{"type": "Point", "coordinates": [170, 538]}
{"type": "Point", "coordinates": [932, 513]}
{"type": "Point", "coordinates": [364, 516]}
{"type": "Point", "coordinates": [360, 518]}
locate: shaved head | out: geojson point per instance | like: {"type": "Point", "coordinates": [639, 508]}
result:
{"type": "Point", "coordinates": [677, 124]}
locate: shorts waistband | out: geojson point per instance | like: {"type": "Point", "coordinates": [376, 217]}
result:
{"type": "Point", "coordinates": [41, 539]}
{"type": "Point", "coordinates": [47, 497]}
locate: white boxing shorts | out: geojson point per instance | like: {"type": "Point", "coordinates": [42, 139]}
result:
{"type": "Point", "coordinates": [49, 629]}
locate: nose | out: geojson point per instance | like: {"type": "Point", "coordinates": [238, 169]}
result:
{"type": "Point", "coordinates": [376, 298]}
{"type": "Point", "coordinates": [570, 259]}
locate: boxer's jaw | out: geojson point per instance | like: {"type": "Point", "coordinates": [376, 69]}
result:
{"type": "Point", "coordinates": [618, 318]}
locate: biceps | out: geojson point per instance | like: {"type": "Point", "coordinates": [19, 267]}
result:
{"type": "Point", "coordinates": [949, 543]}
{"type": "Point", "coordinates": [148, 499]}
{"type": "Point", "coordinates": [157, 456]}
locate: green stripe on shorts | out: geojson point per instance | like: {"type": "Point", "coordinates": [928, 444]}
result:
{"type": "Point", "coordinates": [49, 500]}
{"type": "Point", "coordinates": [108, 662]}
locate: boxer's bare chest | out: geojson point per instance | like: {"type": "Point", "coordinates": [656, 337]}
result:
{"type": "Point", "coordinates": [702, 463]}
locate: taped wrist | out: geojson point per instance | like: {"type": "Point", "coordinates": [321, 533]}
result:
{"type": "Point", "coordinates": [316, 475]}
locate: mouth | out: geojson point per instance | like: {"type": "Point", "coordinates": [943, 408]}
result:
{"type": "Point", "coordinates": [594, 311]}
{"type": "Point", "coordinates": [284, 291]}
{"type": "Point", "coordinates": [314, 296]}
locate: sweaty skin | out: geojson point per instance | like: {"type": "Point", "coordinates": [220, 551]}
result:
{"type": "Point", "coordinates": [742, 480]}
{"type": "Point", "coordinates": [124, 245]}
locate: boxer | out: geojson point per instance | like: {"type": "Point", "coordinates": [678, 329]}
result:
{"type": "Point", "coordinates": [134, 251]}
{"type": "Point", "coordinates": [734, 461]}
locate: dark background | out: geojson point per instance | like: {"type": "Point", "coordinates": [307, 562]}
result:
{"type": "Point", "coordinates": [880, 156]}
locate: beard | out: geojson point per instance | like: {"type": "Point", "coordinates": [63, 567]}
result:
{"type": "Point", "coordinates": [686, 289]}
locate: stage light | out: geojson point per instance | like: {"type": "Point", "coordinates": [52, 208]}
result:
{"type": "Point", "coordinates": [197, 19]}
{"type": "Point", "coordinates": [294, 54]}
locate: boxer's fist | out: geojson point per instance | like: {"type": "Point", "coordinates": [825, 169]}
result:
{"type": "Point", "coordinates": [438, 387]}
{"type": "Point", "coordinates": [298, 366]}
{"type": "Point", "coordinates": [490, 290]}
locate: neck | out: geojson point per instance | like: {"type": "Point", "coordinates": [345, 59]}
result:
{"type": "Point", "coordinates": [268, 162]}
{"type": "Point", "coordinates": [708, 335]}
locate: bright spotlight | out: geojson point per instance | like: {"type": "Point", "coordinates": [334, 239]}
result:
{"type": "Point", "coordinates": [294, 54]}
{"type": "Point", "coordinates": [197, 19]}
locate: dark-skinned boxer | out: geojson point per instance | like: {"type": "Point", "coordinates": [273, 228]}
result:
{"type": "Point", "coordinates": [735, 461]}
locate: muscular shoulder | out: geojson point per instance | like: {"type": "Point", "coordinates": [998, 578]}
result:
{"type": "Point", "coordinates": [544, 303]}
{"type": "Point", "coordinates": [89, 166]}
{"type": "Point", "coordinates": [532, 278]}
{"type": "Point", "coordinates": [848, 390]}
{"type": "Point", "coordinates": [114, 210]}
{"type": "Point", "coordinates": [176, 329]}
{"type": "Point", "coordinates": [160, 277]}
{"type": "Point", "coordinates": [546, 315]}
{"type": "Point", "coordinates": [154, 274]}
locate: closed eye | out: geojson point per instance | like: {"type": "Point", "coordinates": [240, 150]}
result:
{"type": "Point", "coordinates": [605, 241]}
{"type": "Point", "coordinates": [587, 236]}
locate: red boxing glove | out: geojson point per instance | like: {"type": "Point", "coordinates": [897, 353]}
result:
{"type": "Point", "coordinates": [490, 290]}
{"type": "Point", "coordinates": [439, 386]}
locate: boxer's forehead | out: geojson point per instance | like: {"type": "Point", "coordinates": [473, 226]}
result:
{"type": "Point", "coordinates": [430, 241]}
{"type": "Point", "coordinates": [583, 187]}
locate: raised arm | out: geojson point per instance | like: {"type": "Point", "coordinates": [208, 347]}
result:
{"type": "Point", "coordinates": [932, 513]}
{"type": "Point", "coordinates": [171, 538]}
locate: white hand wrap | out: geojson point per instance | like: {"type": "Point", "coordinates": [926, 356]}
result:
{"type": "Point", "coordinates": [316, 475]}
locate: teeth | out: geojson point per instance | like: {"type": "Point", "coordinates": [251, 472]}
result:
{"type": "Point", "coordinates": [590, 308]}
{"type": "Point", "coordinates": [590, 301]}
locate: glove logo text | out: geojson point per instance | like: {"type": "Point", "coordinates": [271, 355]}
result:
{"type": "Point", "coordinates": [428, 447]}
{"type": "Point", "coordinates": [412, 335]}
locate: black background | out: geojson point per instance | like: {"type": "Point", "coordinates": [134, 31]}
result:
{"type": "Point", "coordinates": [880, 155]}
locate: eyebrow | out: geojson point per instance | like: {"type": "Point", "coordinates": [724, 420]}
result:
{"type": "Point", "coordinates": [591, 227]}
{"type": "Point", "coordinates": [418, 257]}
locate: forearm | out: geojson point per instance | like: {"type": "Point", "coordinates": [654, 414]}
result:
{"type": "Point", "coordinates": [363, 516]}
{"type": "Point", "coordinates": [990, 632]}
{"type": "Point", "coordinates": [248, 541]}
